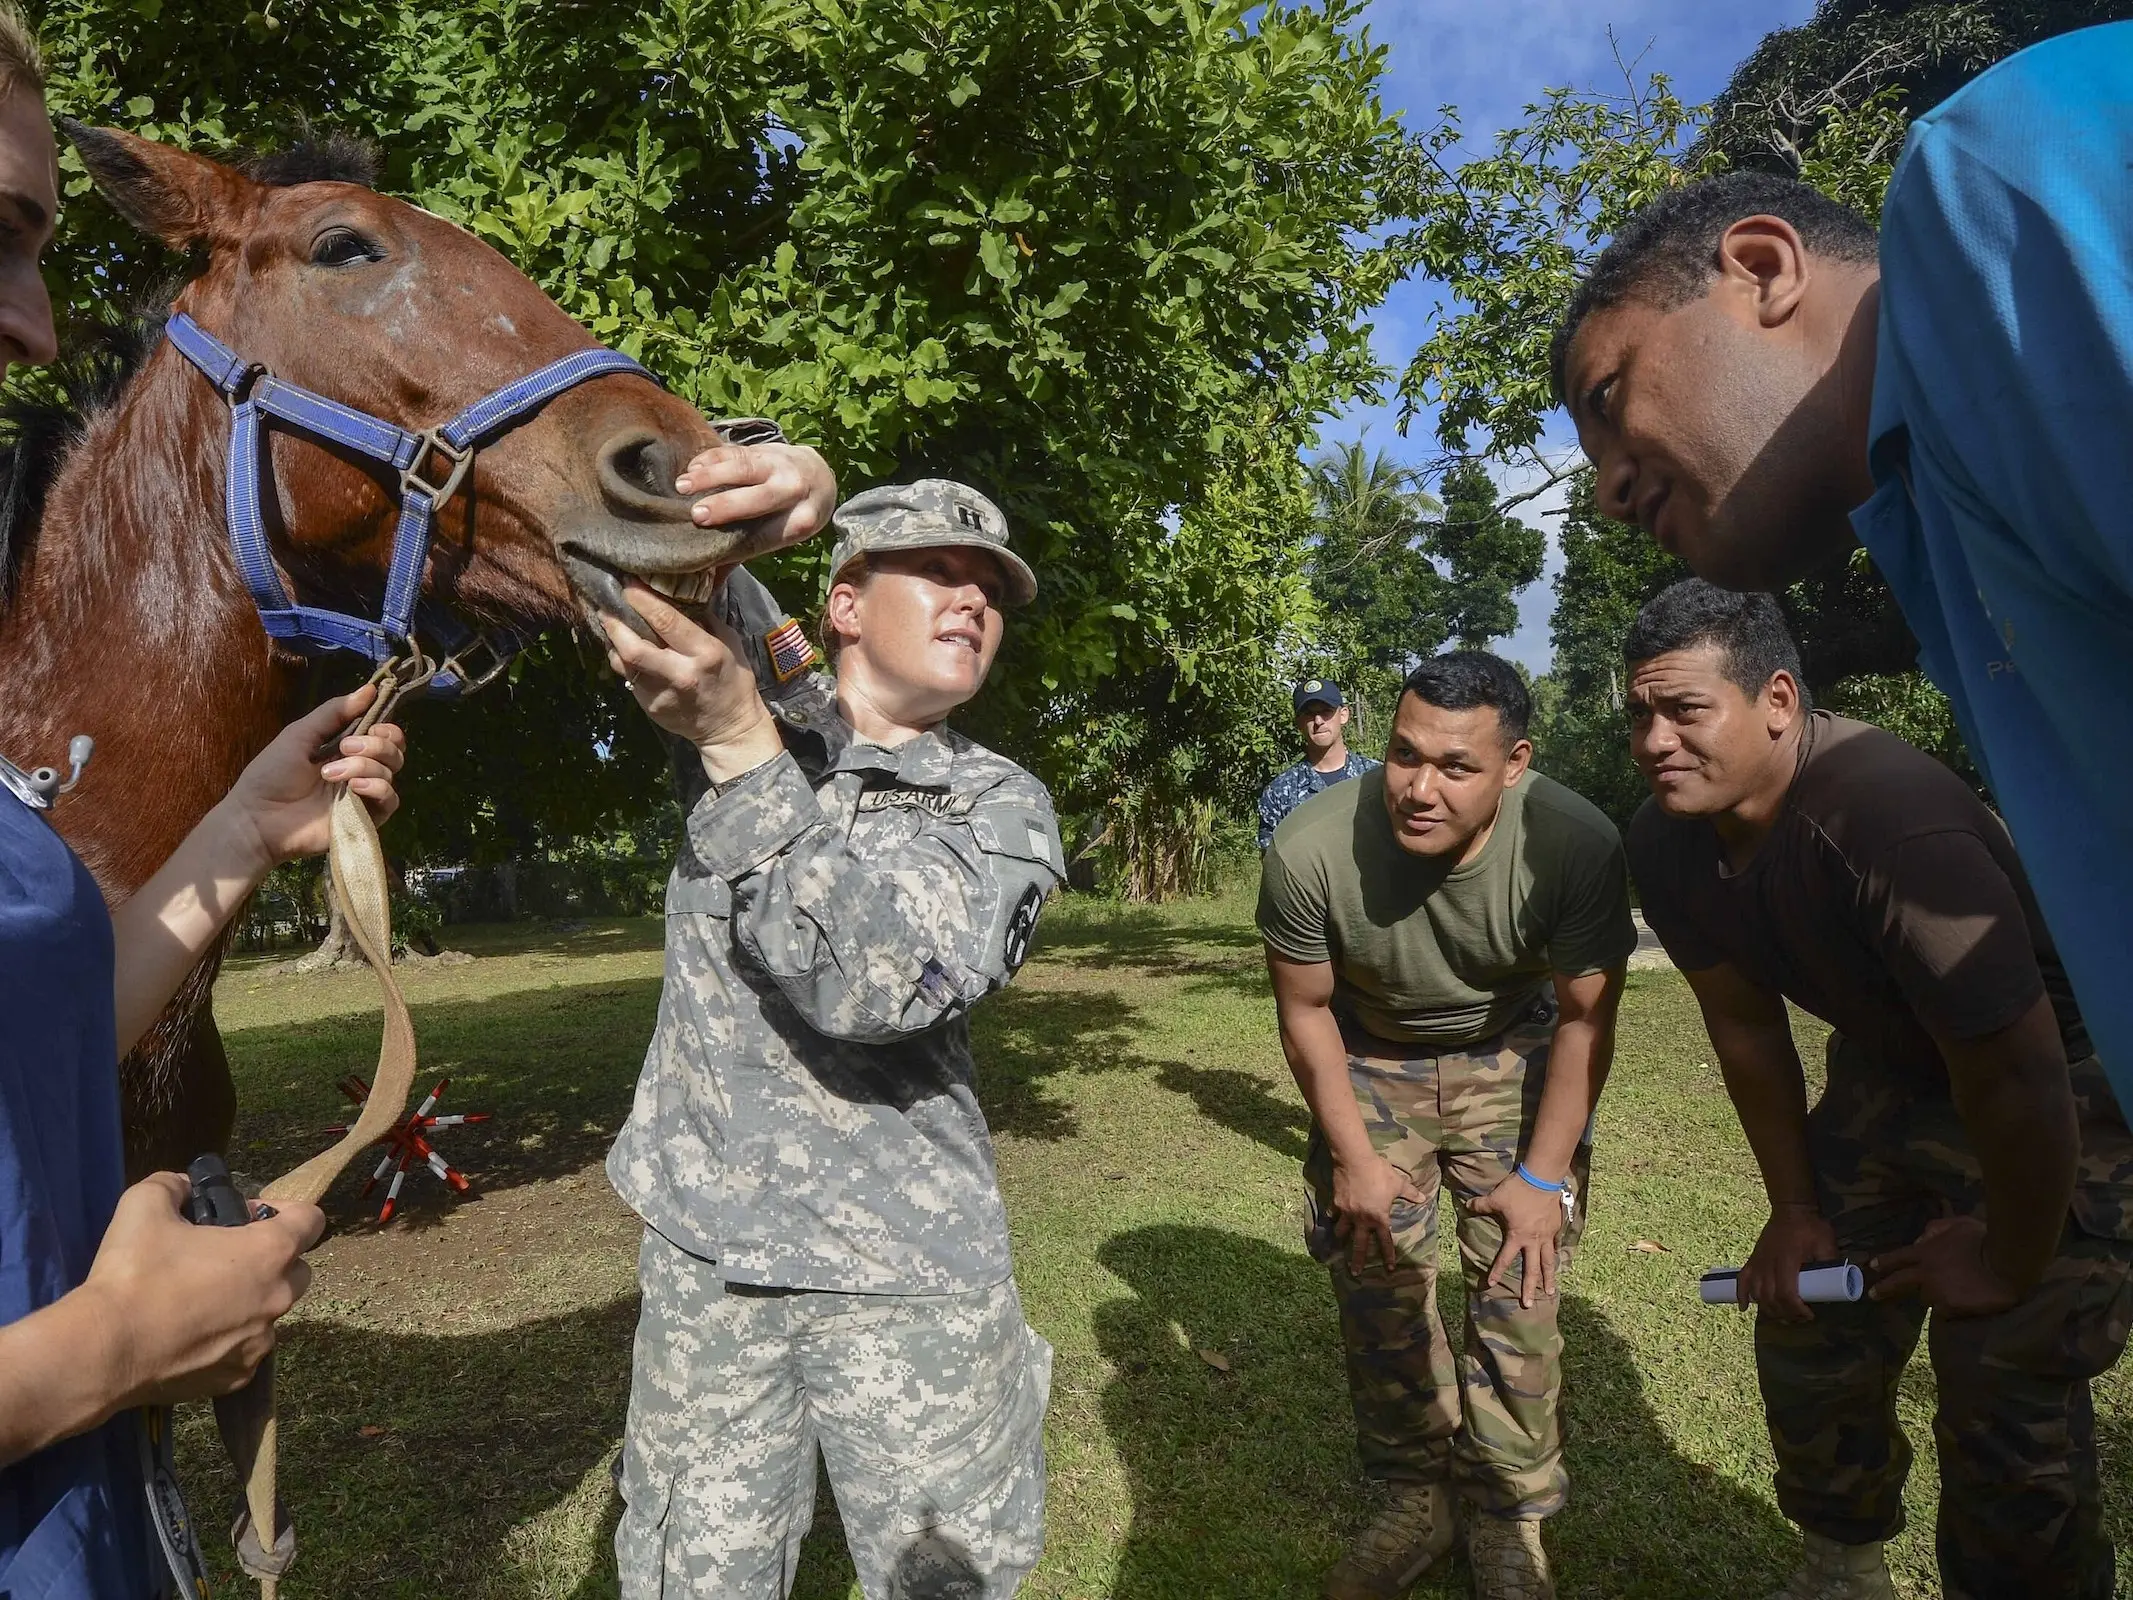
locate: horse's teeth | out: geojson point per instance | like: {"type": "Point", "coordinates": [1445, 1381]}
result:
{"type": "Point", "coordinates": [688, 587]}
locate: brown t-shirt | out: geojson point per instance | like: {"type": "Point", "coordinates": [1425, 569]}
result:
{"type": "Point", "coordinates": [1887, 898]}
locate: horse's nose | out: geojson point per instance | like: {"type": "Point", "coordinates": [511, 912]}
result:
{"type": "Point", "coordinates": [637, 472]}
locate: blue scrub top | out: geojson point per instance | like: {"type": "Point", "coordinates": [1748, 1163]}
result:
{"type": "Point", "coordinates": [73, 1523]}
{"type": "Point", "coordinates": [2002, 450]}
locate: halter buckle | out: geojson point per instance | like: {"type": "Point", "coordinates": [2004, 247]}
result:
{"type": "Point", "coordinates": [473, 651]}
{"type": "Point", "coordinates": [456, 461]}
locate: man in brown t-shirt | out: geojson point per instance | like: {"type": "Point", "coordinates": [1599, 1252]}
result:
{"type": "Point", "coordinates": [1967, 1149]}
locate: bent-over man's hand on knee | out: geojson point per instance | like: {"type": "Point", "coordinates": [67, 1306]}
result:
{"type": "Point", "coordinates": [1364, 1193]}
{"type": "Point", "coordinates": [1532, 1223]}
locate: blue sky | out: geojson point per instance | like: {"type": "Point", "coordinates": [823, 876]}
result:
{"type": "Point", "coordinates": [1489, 58]}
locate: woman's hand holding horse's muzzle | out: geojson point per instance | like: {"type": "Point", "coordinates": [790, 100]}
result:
{"type": "Point", "coordinates": [695, 682]}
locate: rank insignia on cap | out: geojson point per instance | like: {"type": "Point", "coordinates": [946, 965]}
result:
{"type": "Point", "coordinates": [791, 651]}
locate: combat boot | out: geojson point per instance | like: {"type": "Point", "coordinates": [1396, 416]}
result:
{"type": "Point", "coordinates": [1508, 1559]}
{"type": "Point", "coordinates": [1834, 1571]}
{"type": "Point", "coordinates": [1417, 1526]}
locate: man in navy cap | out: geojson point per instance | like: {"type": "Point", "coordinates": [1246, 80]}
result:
{"type": "Point", "coordinates": [1322, 720]}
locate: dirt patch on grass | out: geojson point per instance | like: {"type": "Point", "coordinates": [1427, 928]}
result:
{"type": "Point", "coordinates": [490, 1257]}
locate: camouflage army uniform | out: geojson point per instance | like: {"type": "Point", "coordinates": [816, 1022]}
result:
{"type": "Point", "coordinates": [1484, 1417]}
{"type": "Point", "coordinates": [1293, 786]}
{"type": "Point", "coordinates": [2020, 1503]}
{"type": "Point", "coordinates": [827, 1257]}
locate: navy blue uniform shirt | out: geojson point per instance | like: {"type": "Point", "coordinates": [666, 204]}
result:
{"type": "Point", "coordinates": [73, 1522]}
{"type": "Point", "coordinates": [2002, 448]}
{"type": "Point", "coordinates": [1291, 788]}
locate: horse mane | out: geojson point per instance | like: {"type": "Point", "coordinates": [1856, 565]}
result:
{"type": "Point", "coordinates": [314, 157]}
{"type": "Point", "coordinates": [43, 416]}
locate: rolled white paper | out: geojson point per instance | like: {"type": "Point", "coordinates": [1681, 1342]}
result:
{"type": "Point", "coordinates": [1818, 1285]}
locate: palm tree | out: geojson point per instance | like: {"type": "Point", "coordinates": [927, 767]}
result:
{"type": "Point", "coordinates": [1370, 569]}
{"type": "Point", "coordinates": [1367, 504]}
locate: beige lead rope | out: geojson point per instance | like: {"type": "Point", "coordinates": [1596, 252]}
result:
{"type": "Point", "coordinates": [246, 1418]}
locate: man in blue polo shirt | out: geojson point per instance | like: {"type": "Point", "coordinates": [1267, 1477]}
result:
{"type": "Point", "coordinates": [1322, 724]}
{"type": "Point", "coordinates": [1759, 381]}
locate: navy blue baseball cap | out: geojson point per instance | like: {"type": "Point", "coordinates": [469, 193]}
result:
{"type": "Point", "coordinates": [1319, 692]}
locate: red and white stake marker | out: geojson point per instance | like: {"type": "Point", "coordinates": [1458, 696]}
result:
{"type": "Point", "coordinates": [408, 1143]}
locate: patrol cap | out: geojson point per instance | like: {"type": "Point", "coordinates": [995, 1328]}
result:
{"type": "Point", "coordinates": [1319, 692]}
{"type": "Point", "coordinates": [924, 516]}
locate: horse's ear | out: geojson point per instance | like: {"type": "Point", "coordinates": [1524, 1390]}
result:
{"type": "Point", "coordinates": [169, 193]}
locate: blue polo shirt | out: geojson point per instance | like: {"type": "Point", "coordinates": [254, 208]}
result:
{"type": "Point", "coordinates": [73, 1522]}
{"type": "Point", "coordinates": [2002, 450]}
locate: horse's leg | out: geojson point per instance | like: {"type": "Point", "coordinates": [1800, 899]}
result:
{"type": "Point", "coordinates": [178, 1099]}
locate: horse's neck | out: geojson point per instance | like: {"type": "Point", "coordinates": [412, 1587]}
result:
{"type": "Point", "coordinates": [130, 624]}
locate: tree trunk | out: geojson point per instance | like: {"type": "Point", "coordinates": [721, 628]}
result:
{"type": "Point", "coordinates": [338, 952]}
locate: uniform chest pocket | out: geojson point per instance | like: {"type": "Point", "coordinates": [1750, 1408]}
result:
{"type": "Point", "coordinates": [705, 896]}
{"type": "Point", "coordinates": [884, 828]}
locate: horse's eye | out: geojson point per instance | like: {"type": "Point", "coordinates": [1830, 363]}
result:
{"type": "Point", "coordinates": [341, 247]}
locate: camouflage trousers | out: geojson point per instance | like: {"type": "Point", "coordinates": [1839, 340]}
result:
{"type": "Point", "coordinates": [928, 1411]}
{"type": "Point", "coordinates": [2020, 1511]}
{"type": "Point", "coordinates": [1485, 1416]}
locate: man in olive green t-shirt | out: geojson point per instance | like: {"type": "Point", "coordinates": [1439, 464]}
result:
{"type": "Point", "coordinates": [1447, 940]}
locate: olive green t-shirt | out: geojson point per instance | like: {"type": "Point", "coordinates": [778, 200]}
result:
{"type": "Point", "coordinates": [1427, 953]}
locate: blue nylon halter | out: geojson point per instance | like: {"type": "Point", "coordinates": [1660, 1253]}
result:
{"type": "Point", "coordinates": [254, 395]}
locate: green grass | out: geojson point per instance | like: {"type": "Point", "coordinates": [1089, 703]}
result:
{"type": "Point", "coordinates": [455, 1383]}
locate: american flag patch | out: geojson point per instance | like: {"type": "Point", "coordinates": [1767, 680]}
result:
{"type": "Point", "coordinates": [791, 651]}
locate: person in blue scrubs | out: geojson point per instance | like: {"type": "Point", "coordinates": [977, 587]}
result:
{"type": "Point", "coordinates": [109, 1298]}
{"type": "Point", "coordinates": [1760, 381]}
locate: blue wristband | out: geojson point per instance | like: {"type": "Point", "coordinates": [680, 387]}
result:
{"type": "Point", "coordinates": [1539, 1183]}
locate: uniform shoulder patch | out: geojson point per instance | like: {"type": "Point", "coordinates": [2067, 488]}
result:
{"type": "Point", "coordinates": [1021, 928]}
{"type": "Point", "coordinates": [791, 651]}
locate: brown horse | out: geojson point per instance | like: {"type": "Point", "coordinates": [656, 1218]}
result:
{"type": "Point", "coordinates": [126, 617]}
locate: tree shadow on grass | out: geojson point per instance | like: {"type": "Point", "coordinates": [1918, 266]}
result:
{"type": "Point", "coordinates": [554, 1068]}
{"type": "Point", "coordinates": [1243, 1103]}
{"type": "Point", "coordinates": [562, 938]}
{"type": "Point", "coordinates": [1245, 1482]}
{"type": "Point", "coordinates": [1144, 941]}
{"type": "Point", "coordinates": [1026, 1035]}
{"type": "Point", "coordinates": [421, 1464]}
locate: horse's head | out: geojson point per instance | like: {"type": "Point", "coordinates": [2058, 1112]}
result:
{"type": "Point", "coordinates": [312, 274]}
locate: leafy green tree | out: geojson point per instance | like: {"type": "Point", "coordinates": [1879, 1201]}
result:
{"type": "Point", "coordinates": [1915, 53]}
{"type": "Point", "coordinates": [1609, 570]}
{"type": "Point", "coordinates": [1166, 754]}
{"type": "Point", "coordinates": [1488, 557]}
{"type": "Point", "coordinates": [1097, 258]}
{"type": "Point", "coordinates": [1510, 232]}
{"type": "Point", "coordinates": [1398, 574]}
